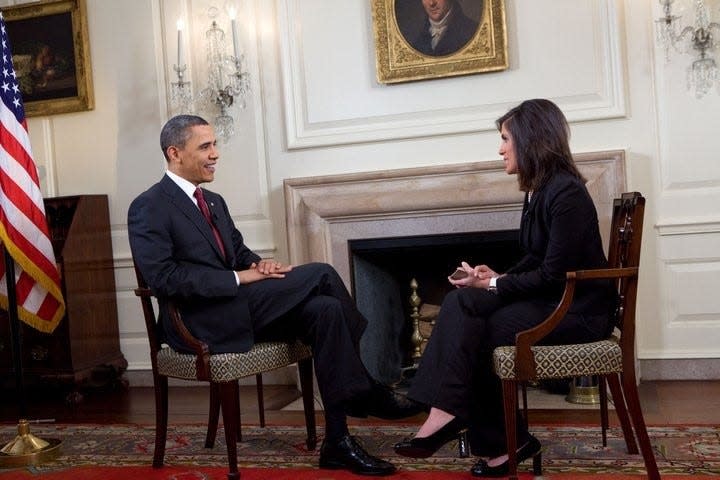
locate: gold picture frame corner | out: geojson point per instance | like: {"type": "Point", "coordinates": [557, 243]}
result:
{"type": "Point", "coordinates": [33, 18]}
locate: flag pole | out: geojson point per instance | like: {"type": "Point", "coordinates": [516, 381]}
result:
{"type": "Point", "coordinates": [15, 332]}
{"type": "Point", "coordinates": [26, 448]}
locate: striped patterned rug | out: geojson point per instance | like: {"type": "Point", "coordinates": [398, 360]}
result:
{"type": "Point", "coordinates": [680, 450]}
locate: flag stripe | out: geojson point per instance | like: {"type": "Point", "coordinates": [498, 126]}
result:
{"type": "Point", "coordinates": [25, 214]}
{"type": "Point", "coordinates": [23, 287]}
{"type": "Point", "coordinates": [15, 127]}
{"type": "Point", "coordinates": [16, 150]}
{"type": "Point", "coordinates": [36, 255]}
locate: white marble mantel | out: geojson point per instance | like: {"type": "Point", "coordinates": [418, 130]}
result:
{"type": "Point", "coordinates": [324, 212]}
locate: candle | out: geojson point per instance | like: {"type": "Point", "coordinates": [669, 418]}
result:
{"type": "Point", "coordinates": [179, 47]}
{"type": "Point", "coordinates": [236, 48]}
{"type": "Point", "coordinates": [233, 26]}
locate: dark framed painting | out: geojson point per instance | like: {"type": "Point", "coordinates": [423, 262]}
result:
{"type": "Point", "coordinates": [424, 39]}
{"type": "Point", "coordinates": [49, 41]}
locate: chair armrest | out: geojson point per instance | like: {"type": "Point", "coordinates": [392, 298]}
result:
{"type": "Point", "coordinates": [199, 348]}
{"type": "Point", "coordinates": [524, 358]}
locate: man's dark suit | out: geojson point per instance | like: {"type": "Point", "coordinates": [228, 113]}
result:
{"type": "Point", "coordinates": [177, 254]}
{"type": "Point", "coordinates": [558, 233]}
{"type": "Point", "coordinates": [459, 31]}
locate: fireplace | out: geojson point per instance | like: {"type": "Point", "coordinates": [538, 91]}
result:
{"type": "Point", "coordinates": [391, 276]}
{"type": "Point", "coordinates": [327, 217]}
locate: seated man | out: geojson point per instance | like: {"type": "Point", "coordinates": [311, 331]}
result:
{"type": "Point", "coordinates": [187, 248]}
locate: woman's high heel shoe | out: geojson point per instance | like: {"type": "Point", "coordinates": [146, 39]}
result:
{"type": "Point", "coordinates": [423, 447]}
{"type": "Point", "coordinates": [531, 449]}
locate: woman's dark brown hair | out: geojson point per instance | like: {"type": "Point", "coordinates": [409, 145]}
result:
{"type": "Point", "coordinates": [540, 134]}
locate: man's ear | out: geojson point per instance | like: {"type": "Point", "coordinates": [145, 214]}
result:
{"type": "Point", "coordinates": [173, 153]}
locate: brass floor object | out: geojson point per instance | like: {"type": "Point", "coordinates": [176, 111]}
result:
{"type": "Point", "coordinates": [27, 449]}
{"type": "Point", "coordinates": [584, 390]}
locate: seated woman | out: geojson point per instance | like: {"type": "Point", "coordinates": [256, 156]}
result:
{"type": "Point", "coordinates": [558, 233]}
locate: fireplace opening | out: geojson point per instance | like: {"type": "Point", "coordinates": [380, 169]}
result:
{"type": "Point", "coordinates": [382, 270]}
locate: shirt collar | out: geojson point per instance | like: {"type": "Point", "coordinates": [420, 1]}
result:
{"type": "Point", "coordinates": [184, 185]}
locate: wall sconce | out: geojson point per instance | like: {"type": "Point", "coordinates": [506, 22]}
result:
{"type": "Point", "coordinates": [228, 82]}
{"type": "Point", "coordinates": [703, 72]}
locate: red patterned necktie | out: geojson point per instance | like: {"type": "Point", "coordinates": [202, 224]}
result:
{"type": "Point", "coordinates": [206, 213]}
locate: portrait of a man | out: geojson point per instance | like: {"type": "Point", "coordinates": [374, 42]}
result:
{"type": "Point", "coordinates": [430, 39]}
{"type": "Point", "coordinates": [438, 27]}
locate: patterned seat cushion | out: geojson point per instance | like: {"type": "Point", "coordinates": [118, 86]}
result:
{"type": "Point", "coordinates": [232, 366]}
{"type": "Point", "coordinates": [563, 361]}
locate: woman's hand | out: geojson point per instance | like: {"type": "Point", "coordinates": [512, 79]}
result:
{"type": "Point", "coordinates": [484, 272]}
{"type": "Point", "coordinates": [463, 277]}
{"type": "Point", "coordinates": [478, 277]}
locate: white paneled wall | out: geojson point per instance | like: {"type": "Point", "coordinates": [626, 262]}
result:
{"type": "Point", "coordinates": [317, 109]}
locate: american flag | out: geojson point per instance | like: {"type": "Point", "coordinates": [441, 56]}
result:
{"type": "Point", "coordinates": [23, 226]}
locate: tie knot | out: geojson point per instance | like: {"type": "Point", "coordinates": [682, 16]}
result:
{"type": "Point", "coordinates": [202, 204]}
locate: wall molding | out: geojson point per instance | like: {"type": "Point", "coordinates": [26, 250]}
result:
{"type": "Point", "coordinates": [688, 226]}
{"type": "Point", "coordinates": [680, 369]}
{"type": "Point", "coordinates": [607, 100]}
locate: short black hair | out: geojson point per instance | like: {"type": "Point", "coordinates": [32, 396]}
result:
{"type": "Point", "coordinates": [176, 131]}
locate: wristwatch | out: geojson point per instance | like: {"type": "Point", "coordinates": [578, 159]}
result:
{"type": "Point", "coordinates": [493, 285]}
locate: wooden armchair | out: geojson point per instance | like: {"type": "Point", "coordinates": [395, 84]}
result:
{"type": "Point", "coordinates": [613, 360]}
{"type": "Point", "coordinates": [222, 371]}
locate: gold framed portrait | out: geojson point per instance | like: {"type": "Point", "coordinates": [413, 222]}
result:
{"type": "Point", "coordinates": [425, 39]}
{"type": "Point", "coordinates": [49, 41]}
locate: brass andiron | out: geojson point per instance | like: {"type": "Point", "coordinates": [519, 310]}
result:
{"type": "Point", "coordinates": [27, 449]}
{"type": "Point", "coordinates": [417, 337]}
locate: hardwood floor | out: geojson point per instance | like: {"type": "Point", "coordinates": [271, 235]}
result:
{"type": "Point", "coordinates": [664, 403]}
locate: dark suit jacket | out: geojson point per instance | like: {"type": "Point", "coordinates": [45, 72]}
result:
{"type": "Point", "coordinates": [176, 252]}
{"type": "Point", "coordinates": [459, 31]}
{"type": "Point", "coordinates": [559, 233]}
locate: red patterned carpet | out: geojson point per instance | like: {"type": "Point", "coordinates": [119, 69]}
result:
{"type": "Point", "coordinates": [111, 452]}
{"type": "Point", "coordinates": [218, 473]}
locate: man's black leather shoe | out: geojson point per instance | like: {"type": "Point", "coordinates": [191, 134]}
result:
{"type": "Point", "coordinates": [347, 453]}
{"type": "Point", "coordinates": [384, 402]}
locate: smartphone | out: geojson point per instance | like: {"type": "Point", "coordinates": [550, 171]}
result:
{"type": "Point", "coordinates": [459, 274]}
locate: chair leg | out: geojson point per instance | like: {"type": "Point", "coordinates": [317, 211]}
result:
{"type": "Point", "coordinates": [230, 404]}
{"type": "Point", "coordinates": [524, 400]}
{"type": "Point", "coordinates": [510, 394]}
{"type": "Point", "coordinates": [213, 415]}
{"type": "Point", "coordinates": [622, 413]}
{"type": "Point", "coordinates": [238, 432]}
{"type": "Point", "coordinates": [161, 419]}
{"type": "Point", "coordinates": [261, 398]}
{"type": "Point", "coordinates": [602, 388]}
{"type": "Point", "coordinates": [633, 403]}
{"type": "Point", "coordinates": [306, 384]}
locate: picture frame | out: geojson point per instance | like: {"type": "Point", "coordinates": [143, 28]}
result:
{"type": "Point", "coordinates": [51, 56]}
{"type": "Point", "coordinates": [402, 54]}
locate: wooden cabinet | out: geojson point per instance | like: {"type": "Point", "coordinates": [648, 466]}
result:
{"type": "Point", "coordinates": [85, 347]}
